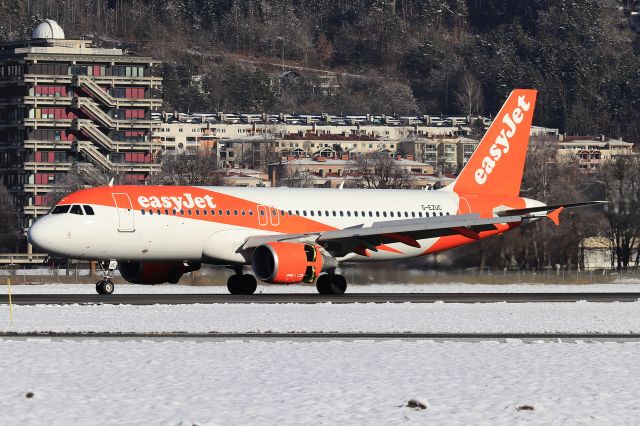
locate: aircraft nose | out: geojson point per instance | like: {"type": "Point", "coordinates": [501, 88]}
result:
{"type": "Point", "coordinates": [40, 235]}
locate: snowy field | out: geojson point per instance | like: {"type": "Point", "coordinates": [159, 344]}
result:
{"type": "Point", "coordinates": [276, 383]}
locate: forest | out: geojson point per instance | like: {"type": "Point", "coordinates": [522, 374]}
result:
{"type": "Point", "coordinates": [400, 57]}
{"type": "Point", "coordinates": [373, 56]}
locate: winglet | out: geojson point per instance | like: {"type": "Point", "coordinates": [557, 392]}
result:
{"type": "Point", "coordinates": [555, 215]}
{"type": "Point", "coordinates": [111, 182]}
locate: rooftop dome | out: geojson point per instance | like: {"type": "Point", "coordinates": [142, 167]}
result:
{"type": "Point", "coordinates": [48, 29]}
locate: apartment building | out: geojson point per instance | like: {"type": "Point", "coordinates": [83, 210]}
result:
{"type": "Point", "coordinates": [65, 104]}
{"type": "Point", "coordinates": [591, 153]}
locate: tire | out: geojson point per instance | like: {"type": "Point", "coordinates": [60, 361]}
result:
{"type": "Point", "coordinates": [234, 284]}
{"type": "Point", "coordinates": [323, 284]}
{"type": "Point", "coordinates": [100, 287]}
{"type": "Point", "coordinates": [249, 284]}
{"type": "Point", "coordinates": [338, 284]}
{"type": "Point", "coordinates": [108, 287]}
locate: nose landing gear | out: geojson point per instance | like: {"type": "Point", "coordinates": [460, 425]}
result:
{"type": "Point", "coordinates": [105, 285]}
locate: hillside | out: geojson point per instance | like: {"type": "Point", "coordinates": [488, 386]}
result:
{"type": "Point", "coordinates": [374, 56]}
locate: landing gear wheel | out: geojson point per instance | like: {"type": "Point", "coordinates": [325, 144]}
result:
{"type": "Point", "coordinates": [104, 287]}
{"type": "Point", "coordinates": [249, 284]}
{"type": "Point", "coordinates": [331, 284]}
{"type": "Point", "coordinates": [242, 284]}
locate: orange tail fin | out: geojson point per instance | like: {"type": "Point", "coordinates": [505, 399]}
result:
{"type": "Point", "coordinates": [497, 164]}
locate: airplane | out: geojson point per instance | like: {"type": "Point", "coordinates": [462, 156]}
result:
{"type": "Point", "coordinates": [155, 234]}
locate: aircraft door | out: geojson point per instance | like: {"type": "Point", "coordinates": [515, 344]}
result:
{"type": "Point", "coordinates": [275, 217]}
{"type": "Point", "coordinates": [125, 212]}
{"type": "Point", "coordinates": [263, 213]}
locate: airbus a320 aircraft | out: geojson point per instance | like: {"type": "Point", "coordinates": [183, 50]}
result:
{"type": "Point", "coordinates": [154, 234]}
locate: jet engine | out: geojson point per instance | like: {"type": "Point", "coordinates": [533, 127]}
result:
{"type": "Point", "coordinates": [154, 272]}
{"type": "Point", "coordinates": [287, 263]}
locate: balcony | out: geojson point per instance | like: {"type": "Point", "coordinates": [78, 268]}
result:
{"type": "Point", "coordinates": [33, 166]}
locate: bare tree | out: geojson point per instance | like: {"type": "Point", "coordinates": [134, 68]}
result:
{"type": "Point", "coordinates": [469, 96]}
{"type": "Point", "coordinates": [379, 171]}
{"type": "Point", "coordinates": [9, 228]}
{"type": "Point", "coordinates": [620, 183]}
{"type": "Point", "coordinates": [189, 168]}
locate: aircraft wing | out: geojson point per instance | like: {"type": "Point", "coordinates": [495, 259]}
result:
{"type": "Point", "coordinates": [407, 231]}
{"type": "Point", "coordinates": [530, 210]}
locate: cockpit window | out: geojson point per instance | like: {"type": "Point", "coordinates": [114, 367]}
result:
{"type": "Point", "coordinates": [88, 210]}
{"type": "Point", "coordinates": [75, 209]}
{"type": "Point", "coordinates": [60, 209]}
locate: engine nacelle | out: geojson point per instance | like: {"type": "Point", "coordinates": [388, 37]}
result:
{"type": "Point", "coordinates": [154, 272]}
{"type": "Point", "coordinates": [287, 263]}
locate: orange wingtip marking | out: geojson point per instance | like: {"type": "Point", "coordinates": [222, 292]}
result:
{"type": "Point", "coordinates": [410, 241]}
{"type": "Point", "coordinates": [555, 215]}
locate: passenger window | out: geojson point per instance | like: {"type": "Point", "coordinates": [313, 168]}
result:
{"type": "Point", "coordinates": [384, 214]}
{"type": "Point", "coordinates": [282, 212]}
{"type": "Point", "coordinates": [297, 212]}
{"type": "Point", "coordinates": [406, 214]}
{"type": "Point", "coordinates": [348, 213]}
{"type": "Point", "coordinates": [377, 214]}
{"type": "Point", "coordinates": [197, 212]}
{"type": "Point", "coordinates": [341, 213]}
{"type": "Point", "coordinates": [370, 213]}
{"type": "Point", "coordinates": [182, 212]}
{"type": "Point", "coordinates": [228, 212]}
{"type": "Point", "coordinates": [150, 212]}
{"type": "Point", "coordinates": [142, 211]}
{"type": "Point", "coordinates": [60, 209]}
{"type": "Point", "coordinates": [420, 214]}
{"type": "Point", "coordinates": [355, 213]}
{"type": "Point", "coordinates": [334, 213]}
{"type": "Point", "coordinates": [213, 212]}
{"type": "Point", "coordinates": [290, 212]}
{"type": "Point", "coordinates": [174, 212]}
{"type": "Point", "coordinates": [413, 214]}
{"type": "Point", "coordinates": [189, 212]}
{"type": "Point", "coordinates": [250, 212]}
{"type": "Point", "coordinates": [88, 210]}
{"type": "Point", "coordinates": [319, 212]}
{"type": "Point", "coordinates": [261, 212]}
{"type": "Point", "coordinates": [311, 212]}
{"type": "Point", "coordinates": [75, 209]}
{"type": "Point", "coordinates": [235, 212]}
{"type": "Point", "coordinates": [205, 212]}
{"type": "Point", "coordinates": [158, 211]}
{"type": "Point", "coordinates": [391, 214]}
{"type": "Point", "coordinates": [166, 211]}
{"type": "Point", "coordinates": [326, 213]}
{"type": "Point", "coordinates": [304, 212]}
{"type": "Point", "coordinates": [220, 212]}
{"type": "Point", "coordinates": [244, 213]}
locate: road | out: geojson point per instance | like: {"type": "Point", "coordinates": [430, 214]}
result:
{"type": "Point", "coordinates": [181, 299]}
{"type": "Point", "coordinates": [267, 336]}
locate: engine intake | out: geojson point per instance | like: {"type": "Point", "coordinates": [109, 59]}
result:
{"type": "Point", "coordinates": [287, 263]}
{"type": "Point", "coordinates": [154, 272]}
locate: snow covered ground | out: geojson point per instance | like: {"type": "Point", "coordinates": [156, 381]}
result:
{"type": "Point", "coordinates": [580, 317]}
{"type": "Point", "coordinates": [362, 382]}
{"type": "Point", "coordinates": [620, 286]}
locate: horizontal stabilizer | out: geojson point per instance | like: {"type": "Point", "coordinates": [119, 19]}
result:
{"type": "Point", "coordinates": [526, 211]}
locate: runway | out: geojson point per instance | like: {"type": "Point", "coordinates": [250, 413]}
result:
{"type": "Point", "coordinates": [181, 299]}
{"type": "Point", "coordinates": [315, 337]}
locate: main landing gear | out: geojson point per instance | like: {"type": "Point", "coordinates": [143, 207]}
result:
{"type": "Point", "coordinates": [105, 285]}
{"type": "Point", "coordinates": [240, 283]}
{"type": "Point", "coordinates": [331, 284]}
